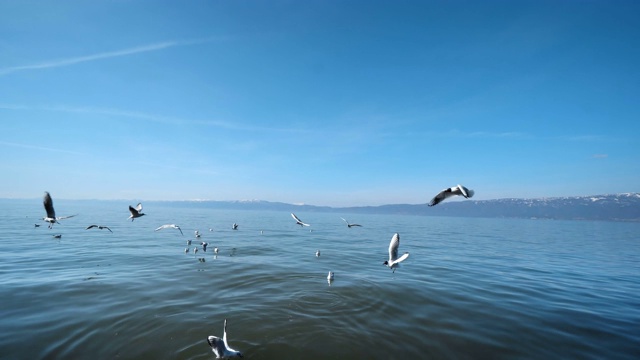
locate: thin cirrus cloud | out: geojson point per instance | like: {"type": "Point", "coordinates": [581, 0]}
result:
{"type": "Point", "coordinates": [39, 148]}
{"type": "Point", "coordinates": [100, 56]}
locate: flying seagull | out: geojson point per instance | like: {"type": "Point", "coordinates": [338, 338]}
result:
{"type": "Point", "coordinates": [174, 226]}
{"type": "Point", "coordinates": [99, 227]}
{"type": "Point", "coordinates": [394, 261]}
{"type": "Point", "coordinates": [349, 225]}
{"type": "Point", "coordinates": [51, 213]}
{"type": "Point", "coordinates": [449, 192]}
{"type": "Point", "coordinates": [135, 212]}
{"type": "Point", "coordinates": [220, 347]}
{"type": "Point", "coordinates": [234, 226]}
{"type": "Point", "coordinates": [298, 221]}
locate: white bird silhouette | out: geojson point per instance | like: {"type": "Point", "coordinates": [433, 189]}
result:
{"type": "Point", "coordinates": [221, 347]}
{"type": "Point", "coordinates": [197, 234]}
{"type": "Point", "coordinates": [51, 213]}
{"type": "Point", "coordinates": [394, 261]}
{"type": "Point", "coordinates": [173, 226]}
{"type": "Point", "coordinates": [99, 227]}
{"type": "Point", "coordinates": [298, 221]}
{"type": "Point", "coordinates": [449, 192]}
{"type": "Point", "coordinates": [318, 253]}
{"type": "Point", "coordinates": [330, 277]}
{"type": "Point", "coordinates": [348, 224]}
{"type": "Point", "coordinates": [135, 212]}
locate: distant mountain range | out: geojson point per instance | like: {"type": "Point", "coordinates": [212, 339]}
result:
{"type": "Point", "coordinates": [613, 207]}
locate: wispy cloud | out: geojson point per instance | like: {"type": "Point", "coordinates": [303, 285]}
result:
{"type": "Point", "coordinates": [600, 156]}
{"type": "Point", "coordinates": [170, 120]}
{"type": "Point", "coordinates": [47, 64]}
{"type": "Point", "coordinates": [39, 148]}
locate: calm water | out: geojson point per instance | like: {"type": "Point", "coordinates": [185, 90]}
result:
{"type": "Point", "coordinates": [471, 288]}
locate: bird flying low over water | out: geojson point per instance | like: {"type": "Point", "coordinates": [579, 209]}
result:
{"type": "Point", "coordinates": [234, 226]}
{"type": "Point", "coordinates": [298, 221]}
{"type": "Point", "coordinates": [449, 192]}
{"type": "Point", "coordinates": [348, 224]}
{"type": "Point", "coordinates": [136, 212]}
{"type": "Point", "coordinates": [220, 347]}
{"type": "Point", "coordinates": [173, 226]}
{"type": "Point", "coordinates": [51, 213]}
{"type": "Point", "coordinates": [98, 226]}
{"type": "Point", "coordinates": [394, 261]}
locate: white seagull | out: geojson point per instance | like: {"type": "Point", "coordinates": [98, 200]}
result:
{"type": "Point", "coordinates": [330, 277]}
{"type": "Point", "coordinates": [298, 221]}
{"type": "Point", "coordinates": [318, 253]}
{"type": "Point", "coordinates": [99, 227]}
{"type": "Point", "coordinates": [216, 250]}
{"type": "Point", "coordinates": [197, 234]}
{"type": "Point", "coordinates": [394, 261]}
{"type": "Point", "coordinates": [449, 192]}
{"type": "Point", "coordinates": [220, 347]}
{"type": "Point", "coordinates": [349, 225]}
{"type": "Point", "coordinates": [135, 212]}
{"type": "Point", "coordinates": [173, 226]}
{"type": "Point", "coordinates": [51, 213]}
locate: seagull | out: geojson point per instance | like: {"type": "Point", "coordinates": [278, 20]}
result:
{"type": "Point", "coordinates": [215, 250]}
{"type": "Point", "coordinates": [51, 213]}
{"type": "Point", "coordinates": [220, 347]}
{"type": "Point", "coordinates": [174, 226]}
{"type": "Point", "coordinates": [394, 261]}
{"type": "Point", "coordinates": [349, 225]}
{"type": "Point", "coordinates": [99, 227]}
{"type": "Point", "coordinates": [197, 233]}
{"type": "Point", "coordinates": [195, 250]}
{"type": "Point", "coordinates": [135, 212]}
{"type": "Point", "coordinates": [449, 192]}
{"type": "Point", "coordinates": [234, 226]}
{"type": "Point", "coordinates": [188, 242]}
{"type": "Point", "coordinates": [58, 236]}
{"type": "Point", "coordinates": [201, 259]}
{"type": "Point", "coordinates": [204, 246]}
{"type": "Point", "coordinates": [186, 250]}
{"type": "Point", "coordinates": [298, 221]}
{"type": "Point", "coordinates": [36, 225]}
{"type": "Point", "coordinates": [330, 277]}
{"type": "Point", "coordinates": [318, 253]}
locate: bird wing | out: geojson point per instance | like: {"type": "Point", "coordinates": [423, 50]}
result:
{"type": "Point", "coordinates": [295, 217]}
{"type": "Point", "coordinates": [343, 219]}
{"type": "Point", "coordinates": [48, 205]}
{"type": "Point", "coordinates": [91, 227]}
{"type": "Point", "coordinates": [217, 345]}
{"type": "Point", "coordinates": [465, 192]}
{"type": "Point", "coordinates": [106, 227]}
{"type": "Point", "coordinates": [132, 210]}
{"type": "Point", "coordinates": [139, 207]}
{"type": "Point", "coordinates": [162, 227]}
{"type": "Point", "coordinates": [393, 247]}
{"type": "Point", "coordinates": [445, 193]}
{"type": "Point", "coordinates": [178, 227]}
{"type": "Point", "coordinates": [65, 217]}
{"type": "Point", "coordinates": [401, 258]}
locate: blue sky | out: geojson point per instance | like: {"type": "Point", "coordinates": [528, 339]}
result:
{"type": "Point", "coordinates": [335, 103]}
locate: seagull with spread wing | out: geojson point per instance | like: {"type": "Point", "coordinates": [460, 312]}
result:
{"type": "Point", "coordinates": [221, 347]}
{"type": "Point", "coordinates": [348, 224]}
{"type": "Point", "coordinates": [136, 212]}
{"type": "Point", "coordinates": [449, 192]}
{"type": "Point", "coordinates": [173, 226]}
{"type": "Point", "coordinates": [394, 261]}
{"type": "Point", "coordinates": [51, 213]}
{"type": "Point", "coordinates": [98, 226]}
{"type": "Point", "coordinates": [298, 221]}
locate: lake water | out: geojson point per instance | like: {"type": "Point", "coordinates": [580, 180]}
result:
{"type": "Point", "coordinates": [471, 288]}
